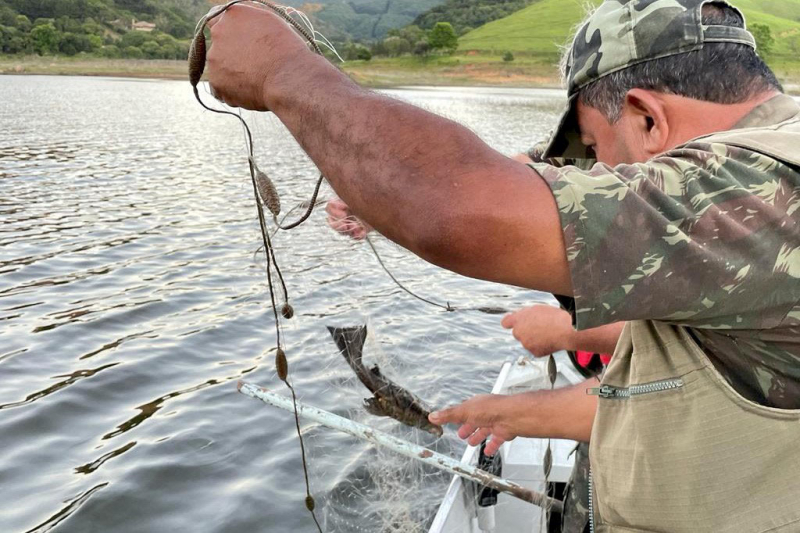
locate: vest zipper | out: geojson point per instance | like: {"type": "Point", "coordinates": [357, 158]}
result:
{"type": "Point", "coordinates": [591, 503]}
{"type": "Point", "coordinates": [609, 391]}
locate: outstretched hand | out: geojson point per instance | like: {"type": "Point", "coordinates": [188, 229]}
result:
{"type": "Point", "coordinates": [542, 329]}
{"type": "Point", "coordinates": [342, 219]}
{"type": "Point", "coordinates": [481, 417]}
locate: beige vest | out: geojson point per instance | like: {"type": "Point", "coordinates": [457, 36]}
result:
{"type": "Point", "coordinates": [674, 448]}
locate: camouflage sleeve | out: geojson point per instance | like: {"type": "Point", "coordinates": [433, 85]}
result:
{"type": "Point", "coordinates": [536, 154]}
{"type": "Point", "coordinates": [706, 236]}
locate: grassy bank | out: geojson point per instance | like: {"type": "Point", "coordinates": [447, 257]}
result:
{"type": "Point", "coordinates": [475, 69]}
{"type": "Point", "coordinates": [380, 72]}
{"type": "Point", "coordinates": [466, 69]}
{"type": "Point", "coordinates": [89, 66]}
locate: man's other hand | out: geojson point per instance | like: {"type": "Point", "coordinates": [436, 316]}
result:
{"type": "Point", "coordinates": [542, 329]}
{"type": "Point", "coordinates": [564, 413]}
{"type": "Point", "coordinates": [341, 219]}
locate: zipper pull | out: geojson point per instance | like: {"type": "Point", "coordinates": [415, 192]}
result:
{"type": "Point", "coordinates": [604, 391]}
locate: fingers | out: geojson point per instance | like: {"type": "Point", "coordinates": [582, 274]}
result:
{"type": "Point", "coordinates": [494, 445]}
{"type": "Point", "coordinates": [347, 226]}
{"type": "Point", "coordinates": [469, 431]}
{"type": "Point", "coordinates": [342, 220]}
{"type": "Point", "coordinates": [451, 415]}
{"type": "Point", "coordinates": [475, 436]}
{"type": "Point", "coordinates": [509, 321]}
{"type": "Point", "coordinates": [479, 436]}
{"type": "Point", "coordinates": [213, 15]}
{"type": "Point", "coordinates": [465, 431]}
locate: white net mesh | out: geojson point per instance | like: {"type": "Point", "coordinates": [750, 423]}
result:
{"type": "Point", "coordinates": [441, 357]}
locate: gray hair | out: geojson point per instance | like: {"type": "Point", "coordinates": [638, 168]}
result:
{"type": "Point", "coordinates": [722, 73]}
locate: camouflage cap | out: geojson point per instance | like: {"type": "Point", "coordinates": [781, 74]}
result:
{"type": "Point", "coordinates": [623, 33]}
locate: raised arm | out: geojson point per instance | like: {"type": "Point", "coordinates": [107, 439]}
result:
{"type": "Point", "coordinates": [423, 181]}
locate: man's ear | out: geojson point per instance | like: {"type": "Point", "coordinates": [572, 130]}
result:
{"type": "Point", "coordinates": [649, 118]}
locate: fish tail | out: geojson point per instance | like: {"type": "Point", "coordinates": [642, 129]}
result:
{"type": "Point", "coordinates": [350, 342]}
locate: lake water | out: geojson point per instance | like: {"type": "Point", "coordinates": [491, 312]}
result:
{"type": "Point", "coordinates": [132, 300]}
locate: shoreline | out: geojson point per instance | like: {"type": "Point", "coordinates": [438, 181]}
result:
{"type": "Point", "coordinates": [378, 73]}
{"type": "Point", "coordinates": [451, 71]}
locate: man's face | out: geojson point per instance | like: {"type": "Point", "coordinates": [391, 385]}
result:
{"type": "Point", "coordinates": [613, 144]}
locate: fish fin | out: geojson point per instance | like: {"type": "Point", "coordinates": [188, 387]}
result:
{"type": "Point", "coordinates": [375, 371]}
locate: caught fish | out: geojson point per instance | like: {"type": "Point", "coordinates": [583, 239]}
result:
{"type": "Point", "coordinates": [389, 399]}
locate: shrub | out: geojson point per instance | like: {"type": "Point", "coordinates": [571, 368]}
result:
{"type": "Point", "coordinates": [151, 50]}
{"type": "Point", "coordinates": [764, 39]}
{"type": "Point", "coordinates": [111, 51]}
{"type": "Point", "coordinates": [134, 38]}
{"type": "Point", "coordinates": [396, 46]}
{"type": "Point", "coordinates": [443, 37]}
{"type": "Point", "coordinates": [132, 52]}
{"type": "Point", "coordinates": [23, 23]}
{"type": "Point", "coordinates": [508, 56]}
{"type": "Point", "coordinates": [69, 44]}
{"type": "Point", "coordinates": [357, 51]}
{"type": "Point", "coordinates": [45, 38]}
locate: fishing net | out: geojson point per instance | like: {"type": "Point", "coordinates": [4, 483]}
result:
{"type": "Point", "coordinates": [442, 357]}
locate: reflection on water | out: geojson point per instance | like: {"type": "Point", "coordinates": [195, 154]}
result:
{"type": "Point", "coordinates": [131, 301]}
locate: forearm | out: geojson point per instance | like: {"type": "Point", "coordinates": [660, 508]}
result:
{"type": "Point", "coordinates": [378, 153]}
{"type": "Point", "coordinates": [417, 178]}
{"type": "Point", "coordinates": [566, 413]}
{"type": "Point", "coordinates": [599, 340]}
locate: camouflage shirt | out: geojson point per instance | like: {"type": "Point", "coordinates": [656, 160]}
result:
{"type": "Point", "coordinates": [706, 236]}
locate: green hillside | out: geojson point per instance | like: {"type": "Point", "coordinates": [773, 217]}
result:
{"type": "Point", "coordinates": [538, 29]}
{"type": "Point", "coordinates": [466, 15]}
{"type": "Point", "coordinates": [541, 28]}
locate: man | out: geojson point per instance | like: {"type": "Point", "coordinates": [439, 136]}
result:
{"type": "Point", "coordinates": [688, 234]}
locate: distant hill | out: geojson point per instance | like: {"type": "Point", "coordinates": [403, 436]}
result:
{"type": "Point", "coordinates": [83, 22]}
{"type": "Point", "coordinates": [543, 27]}
{"type": "Point", "coordinates": [362, 20]}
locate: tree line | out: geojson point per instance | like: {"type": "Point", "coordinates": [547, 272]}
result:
{"type": "Point", "coordinates": [409, 40]}
{"type": "Point", "coordinates": [97, 27]}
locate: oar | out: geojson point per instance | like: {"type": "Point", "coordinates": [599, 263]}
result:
{"type": "Point", "coordinates": [403, 447]}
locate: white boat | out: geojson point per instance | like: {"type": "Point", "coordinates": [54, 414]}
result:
{"type": "Point", "coordinates": [522, 462]}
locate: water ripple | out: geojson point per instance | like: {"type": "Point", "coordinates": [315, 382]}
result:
{"type": "Point", "coordinates": [71, 379]}
{"type": "Point", "coordinates": [132, 297]}
{"type": "Point", "coordinates": [72, 506]}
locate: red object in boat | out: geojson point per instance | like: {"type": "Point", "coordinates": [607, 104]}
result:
{"type": "Point", "coordinates": [584, 358]}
